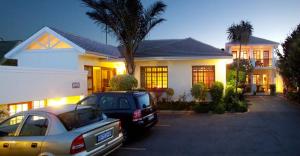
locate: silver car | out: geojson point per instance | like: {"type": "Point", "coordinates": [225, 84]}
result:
{"type": "Point", "coordinates": [65, 130]}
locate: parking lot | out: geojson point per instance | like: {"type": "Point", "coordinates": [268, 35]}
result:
{"type": "Point", "coordinates": [271, 127]}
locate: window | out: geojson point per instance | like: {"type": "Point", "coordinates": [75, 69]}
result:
{"type": "Point", "coordinates": [256, 79]}
{"type": "Point", "coordinates": [10, 126]}
{"type": "Point", "coordinates": [108, 102]}
{"type": "Point", "coordinates": [154, 77]}
{"type": "Point", "coordinates": [48, 41]}
{"type": "Point", "coordinates": [123, 103]}
{"type": "Point", "coordinates": [38, 104]}
{"type": "Point", "coordinates": [143, 100]}
{"type": "Point", "coordinates": [81, 117]}
{"type": "Point", "coordinates": [34, 126]}
{"type": "Point", "coordinates": [234, 55]}
{"type": "Point", "coordinates": [90, 101]}
{"type": "Point", "coordinates": [204, 74]}
{"type": "Point", "coordinates": [16, 108]}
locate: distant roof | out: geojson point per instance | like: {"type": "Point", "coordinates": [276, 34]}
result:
{"type": "Point", "coordinates": [90, 45]}
{"type": "Point", "coordinates": [256, 40]}
{"type": "Point", "coordinates": [187, 47]}
{"type": "Point", "coordinates": [6, 46]}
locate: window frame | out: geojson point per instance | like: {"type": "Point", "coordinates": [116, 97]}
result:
{"type": "Point", "coordinates": [26, 118]}
{"type": "Point", "coordinates": [144, 80]}
{"type": "Point", "coordinates": [19, 126]}
{"type": "Point", "coordinates": [199, 66]}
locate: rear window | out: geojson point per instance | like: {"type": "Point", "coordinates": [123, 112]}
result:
{"type": "Point", "coordinates": [113, 102]}
{"type": "Point", "coordinates": [143, 100]}
{"type": "Point", "coordinates": [80, 118]}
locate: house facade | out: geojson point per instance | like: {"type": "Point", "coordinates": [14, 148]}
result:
{"type": "Point", "coordinates": [262, 55]}
{"type": "Point", "coordinates": [55, 67]}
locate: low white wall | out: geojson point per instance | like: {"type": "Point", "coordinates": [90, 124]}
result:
{"type": "Point", "coordinates": [180, 73]}
{"type": "Point", "coordinates": [27, 84]}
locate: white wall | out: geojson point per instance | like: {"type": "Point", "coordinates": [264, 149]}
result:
{"type": "Point", "coordinates": [53, 58]}
{"type": "Point", "coordinates": [27, 84]}
{"type": "Point", "coordinates": [180, 72]}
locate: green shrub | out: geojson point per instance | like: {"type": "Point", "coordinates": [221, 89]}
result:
{"type": "Point", "coordinates": [240, 106]}
{"type": "Point", "coordinates": [220, 108]}
{"type": "Point", "coordinates": [272, 89]}
{"type": "Point", "coordinates": [216, 92]}
{"type": "Point", "coordinates": [123, 83]}
{"type": "Point", "coordinates": [229, 97]}
{"type": "Point", "coordinates": [169, 93]}
{"type": "Point", "coordinates": [175, 105]}
{"type": "Point", "coordinates": [199, 91]}
{"type": "Point", "coordinates": [201, 108]}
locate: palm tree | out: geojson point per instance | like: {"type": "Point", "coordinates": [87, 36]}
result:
{"type": "Point", "coordinates": [128, 21]}
{"type": "Point", "coordinates": [239, 33]}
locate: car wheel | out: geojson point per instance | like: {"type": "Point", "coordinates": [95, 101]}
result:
{"type": "Point", "coordinates": [125, 135]}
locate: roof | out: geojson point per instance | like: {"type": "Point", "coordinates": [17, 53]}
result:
{"type": "Point", "coordinates": [187, 47]}
{"type": "Point", "coordinates": [6, 46]}
{"type": "Point", "coordinates": [90, 45]}
{"type": "Point", "coordinates": [256, 40]}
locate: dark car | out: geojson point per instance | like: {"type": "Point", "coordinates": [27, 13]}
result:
{"type": "Point", "coordinates": [134, 109]}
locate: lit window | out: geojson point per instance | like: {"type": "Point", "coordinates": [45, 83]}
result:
{"type": "Point", "coordinates": [48, 41]}
{"type": "Point", "coordinates": [38, 104]}
{"type": "Point", "coordinates": [16, 108]}
{"type": "Point", "coordinates": [204, 74]}
{"type": "Point", "coordinates": [154, 77]}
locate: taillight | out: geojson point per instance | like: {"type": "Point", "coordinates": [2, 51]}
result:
{"type": "Point", "coordinates": [77, 145]}
{"type": "Point", "coordinates": [137, 115]}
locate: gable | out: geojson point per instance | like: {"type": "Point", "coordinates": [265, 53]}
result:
{"type": "Point", "coordinates": [47, 41]}
{"type": "Point", "coordinates": [44, 39]}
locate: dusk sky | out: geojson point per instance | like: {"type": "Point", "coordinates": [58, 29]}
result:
{"type": "Point", "coordinates": [204, 20]}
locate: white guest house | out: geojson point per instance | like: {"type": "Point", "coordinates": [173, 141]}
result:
{"type": "Point", "coordinates": [55, 68]}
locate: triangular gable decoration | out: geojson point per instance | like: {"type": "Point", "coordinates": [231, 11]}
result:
{"type": "Point", "coordinates": [47, 41]}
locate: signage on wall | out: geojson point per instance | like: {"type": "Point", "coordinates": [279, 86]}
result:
{"type": "Point", "coordinates": [76, 85]}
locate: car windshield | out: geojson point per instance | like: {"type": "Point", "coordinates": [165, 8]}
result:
{"type": "Point", "coordinates": [143, 100]}
{"type": "Point", "coordinates": [79, 118]}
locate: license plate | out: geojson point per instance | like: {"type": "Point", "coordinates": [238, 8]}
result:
{"type": "Point", "coordinates": [104, 136]}
{"type": "Point", "coordinates": [151, 117]}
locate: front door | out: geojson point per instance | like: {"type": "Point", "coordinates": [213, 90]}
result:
{"type": "Point", "coordinates": [106, 75]}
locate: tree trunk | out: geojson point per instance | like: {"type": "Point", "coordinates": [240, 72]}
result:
{"type": "Point", "coordinates": [129, 62]}
{"type": "Point", "coordinates": [238, 69]}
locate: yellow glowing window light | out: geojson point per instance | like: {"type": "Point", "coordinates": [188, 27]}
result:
{"type": "Point", "coordinates": [155, 77]}
{"type": "Point", "coordinates": [16, 108]}
{"type": "Point", "coordinates": [48, 41]}
{"type": "Point", "coordinates": [38, 104]}
{"type": "Point", "coordinates": [63, 100]}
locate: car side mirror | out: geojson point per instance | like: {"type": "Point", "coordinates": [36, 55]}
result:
{"type": "Point", "coordinates": [144, 106]}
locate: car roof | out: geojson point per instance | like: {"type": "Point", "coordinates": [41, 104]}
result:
{"type": "Point", "coordinates": [56, 110]}
{"type": "Point", "coordinates": [123, 92]}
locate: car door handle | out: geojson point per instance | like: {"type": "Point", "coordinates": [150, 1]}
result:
{"type": "Point", "coordinates": [33, 145]}
{"type": "Point", "coordinates": [5, 145]}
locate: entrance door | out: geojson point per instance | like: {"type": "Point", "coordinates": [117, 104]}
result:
{"type": "Point", "coordinates": [106, 75]}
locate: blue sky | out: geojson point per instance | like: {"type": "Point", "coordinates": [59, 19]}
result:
{"type": "Point", "coordinates": [204, 20]}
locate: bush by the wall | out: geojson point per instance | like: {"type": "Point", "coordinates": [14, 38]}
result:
{"type": "Point", "coordinates": [272, 89]}
{"type": "Point", "coordinates": [229, 97]}
{"type": "Point", "coordinates": [123, 83]}
{"type": "Point", "coordinates": [175, 105]}
{"type": "Point", "coordinates": [169, 93]}
{"type": "Point", "coordinates": [220, 108]}
{"type": "Point", "coordinates": [199, 91]}
{"type": "Point", "coordinates": [216, 92]}
{"type": "Point", "coordinates": [201, 108]}
{"type": "Point", "coordinates": [240, 106]}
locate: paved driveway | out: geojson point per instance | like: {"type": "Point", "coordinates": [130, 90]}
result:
{"type": "Point", "coordinates": [272, 127]}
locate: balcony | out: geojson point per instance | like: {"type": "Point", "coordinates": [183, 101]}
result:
{"type": "Point", "coordinates": [263, 62]}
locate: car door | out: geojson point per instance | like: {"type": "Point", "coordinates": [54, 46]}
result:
{"type": "Point", "coordinates": [8, 129]}
{"type": "Point", "coordinates": [31, 136]}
